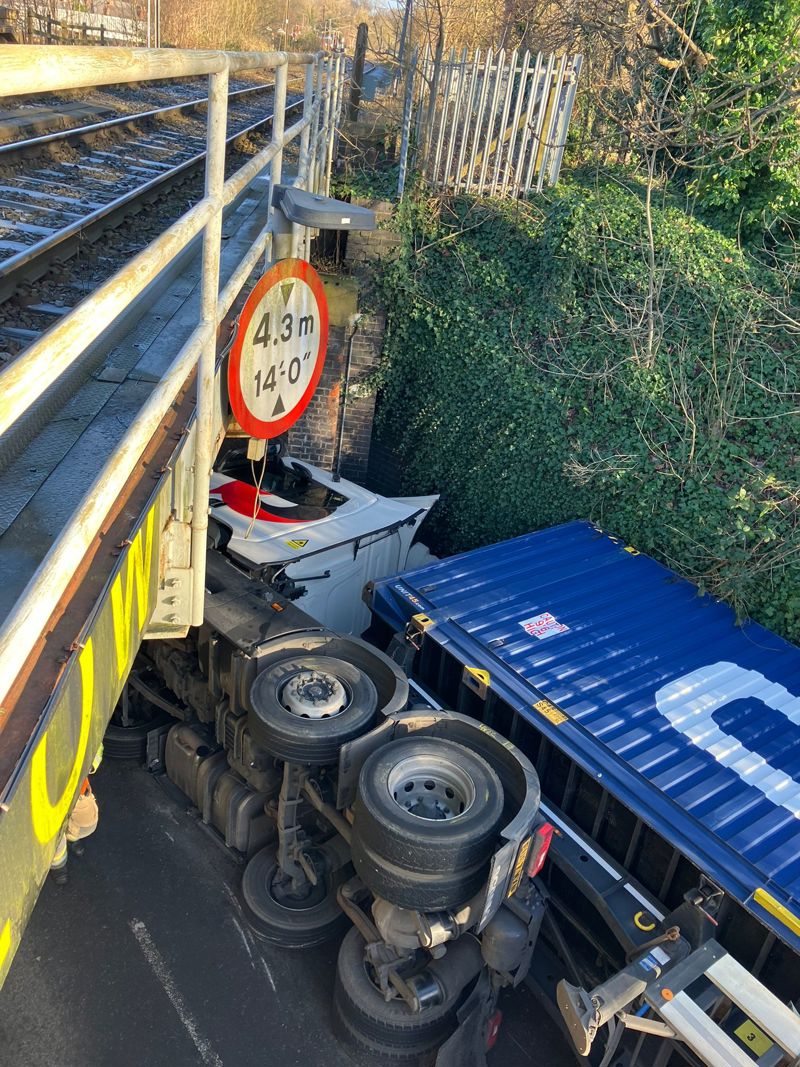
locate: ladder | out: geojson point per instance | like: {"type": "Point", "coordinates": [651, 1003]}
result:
{"type": "Point", "coordinates": [769, 1033]}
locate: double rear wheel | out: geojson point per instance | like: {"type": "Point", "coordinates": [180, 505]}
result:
{"type": "Point", "coordinates": [425, 823]}
{"type": "Point", "coordinates": [425, 827]}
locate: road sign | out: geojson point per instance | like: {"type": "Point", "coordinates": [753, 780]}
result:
{"type": "Point", "coordinates": [279, 350]}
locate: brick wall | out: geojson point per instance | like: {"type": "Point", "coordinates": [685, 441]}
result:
{"type": "Point", "coordinates": [366, 246]}
{"type": "Point", "coordinates": [313, 437]}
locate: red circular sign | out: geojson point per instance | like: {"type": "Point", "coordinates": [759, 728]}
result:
{"type": "Point", "coordinates": [279, 350]}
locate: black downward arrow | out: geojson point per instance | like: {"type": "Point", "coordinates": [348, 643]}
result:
{"type": "Point", "coordinates": [279, 408]}
{"type": "Point", "coordinates": [286, 291]}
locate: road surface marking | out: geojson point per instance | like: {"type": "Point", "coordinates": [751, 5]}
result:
{"type": "Point", "coordinates": [163, 974]}
{"type": "Point", "coordinates": [268, 973]}
{"type": "Point", "coordinates": [244, 940]}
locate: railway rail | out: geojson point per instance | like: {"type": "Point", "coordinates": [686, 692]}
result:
{"type": "Point", "coordinates": [51, 207]}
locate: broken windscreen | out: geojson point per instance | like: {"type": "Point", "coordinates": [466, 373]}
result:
{"type": "Point", "coordinates": [287, 487]}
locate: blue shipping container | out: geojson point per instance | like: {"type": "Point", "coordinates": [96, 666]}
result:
{"type": "Point", "coordinates": [691, 721]}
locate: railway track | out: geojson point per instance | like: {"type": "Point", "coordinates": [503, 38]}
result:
{"type": "Point", "coordinates": [50, 207]}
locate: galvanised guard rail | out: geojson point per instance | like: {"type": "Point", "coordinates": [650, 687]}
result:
{"type": "Point", "coordinates": [38, 69]}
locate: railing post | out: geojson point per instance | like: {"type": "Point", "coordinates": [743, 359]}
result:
{"type": "Point", "coordinates": [456, 118]}
{"type": "Point", "coordinates": [319, 119]}
{"type": "Point", "coordinates": [423, 79]}
{"type": "Point", "coordinates": [305, 169]}
{"type": "Point", "coordinates": [491, 121]}
{"type": "Point", "coordinates": [308, 100]}
{"type": "Point", "coordinates": [430, 120]}
{"type": "Point", "coordinates": [338, 77]}
{"type": "Point", "coordinates": [212, 238]}
{"type": "Point", "coordinates": [314, 163]}
{"type": "Point", "coordinates": [554, 107]}
{"type": "Point", "coordinates": [465, 132]}
{"type": "Point", "coordinates": [326, 122]}
{"type": "Point", "coordinates": [536, 133]}
{"type": "Point", "coordinates": [282, 236]}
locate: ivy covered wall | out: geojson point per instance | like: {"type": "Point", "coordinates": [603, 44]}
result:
{"type": "Point", "coordinates": [582, 355]}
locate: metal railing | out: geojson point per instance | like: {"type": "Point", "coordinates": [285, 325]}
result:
{"type": "Point", "coordinates": [494, 124]}
{"type": "Point", "coordinates": [36, 69]}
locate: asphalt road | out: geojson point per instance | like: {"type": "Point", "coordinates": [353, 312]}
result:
{"type": "Point", "coordinates": [144, 958]}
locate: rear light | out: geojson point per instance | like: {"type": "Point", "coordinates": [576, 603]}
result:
{"type": "Point", "coordinates": [542, 836]}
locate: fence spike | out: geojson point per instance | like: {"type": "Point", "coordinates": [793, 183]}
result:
{"type": "Point", "coordinates": [443, 119]}
{"type": "Point", "coordinates": [512, 68]}
{"type": "Point", "coordinates": [513, 129]}
{"type": "Point", "coordinates": [465, 135]}
{"type": "Point", "coordinates": [462, 67]}
{"type": "Point", "coordinates": [536, 140]}
{"type": "Point", "coordinates": [518, 185]}
{"type": "Point", "coordinates": [491, 120]}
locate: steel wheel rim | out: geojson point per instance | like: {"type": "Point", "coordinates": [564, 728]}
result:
{"type": "Point", "coordinates": [314, 694]}
{"type": "Point", "coordinates": [431, 788]}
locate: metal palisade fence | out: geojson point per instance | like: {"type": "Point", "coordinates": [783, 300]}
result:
{"type": "Point", "coordinates": [494, 124]}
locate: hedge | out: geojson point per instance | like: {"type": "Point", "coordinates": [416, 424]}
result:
{"type": "Point", "coordinates": [544, 360]}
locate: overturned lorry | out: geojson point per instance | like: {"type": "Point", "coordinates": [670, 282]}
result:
{"type": "Point", "coordinates": [557, 692]}
{"type": "Point", "coordinates": [414, 827]}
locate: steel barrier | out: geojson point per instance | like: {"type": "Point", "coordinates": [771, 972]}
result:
{"type": "Point", "coordinates": [38, 69]}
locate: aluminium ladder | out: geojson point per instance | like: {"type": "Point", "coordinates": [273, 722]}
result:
{"type": "Point", "coordinates": [769, 1034]}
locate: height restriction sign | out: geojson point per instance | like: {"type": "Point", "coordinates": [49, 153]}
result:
{"type": "Point", "coordinates": [279, 350]}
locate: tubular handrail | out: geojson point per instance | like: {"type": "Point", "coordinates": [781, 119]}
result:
{"type": "Point", "coordinates": [34, 68]}
{"type": "Point", "coordinates": [29, 69]}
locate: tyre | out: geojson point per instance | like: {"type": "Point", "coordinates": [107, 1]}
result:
{"type": "Point", "coordinates": [278, 916]}
{"type": "Point", "coordinates": [386, 1029]}
{"type": "Point", "coordinates": [425, 822]}
{"type": "Point", "coordinates": [305, 708]}
{"type": "Point", "coordinates": [130, 742]}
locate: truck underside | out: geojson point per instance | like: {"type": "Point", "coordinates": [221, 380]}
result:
{"type": "Point", "coordinates": [613, 895]}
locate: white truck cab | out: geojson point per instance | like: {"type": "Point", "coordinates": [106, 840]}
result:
{"type": "Point", "coordinates": [313, 537]}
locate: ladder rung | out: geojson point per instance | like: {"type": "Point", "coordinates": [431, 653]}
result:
{"type": "Point", "coordinates": [763, 1007]}
{"type": "Point", "coordinates": [703, 1036]}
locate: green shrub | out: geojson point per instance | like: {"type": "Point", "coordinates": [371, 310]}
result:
{"type": "Point", "coordinates": [545, 361]}
{"type": "Point", "coordinates": [743, 116]}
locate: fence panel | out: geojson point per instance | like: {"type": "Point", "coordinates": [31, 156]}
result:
{"type": "Point", "coordinates": [492, 124]}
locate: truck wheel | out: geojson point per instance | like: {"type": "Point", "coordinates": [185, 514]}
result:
{"type": "Point", "coordinates": [130, 742]}
{"type": "Point", "coordinates": [281, 917]}
{"type": "Point", "coordinates": [387, 1029]}
{"type": "Point", "coordinates": [425, 822]}
{"type": "Point", "coordinates": [305, 708]}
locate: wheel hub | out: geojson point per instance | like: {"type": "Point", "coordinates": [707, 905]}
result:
{"type": "Point", "coordinates": [431, 787]}
{"type": "Point", "coordinates": [314, 695]}
{"type": "Point", "coordinates": [287, 896]}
